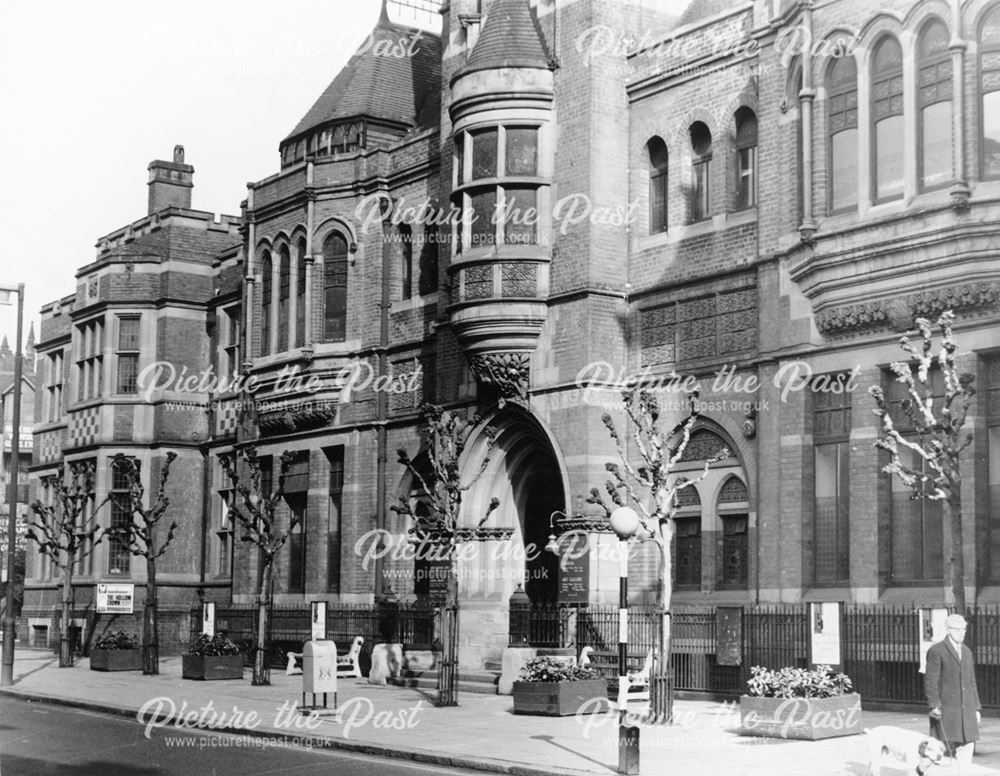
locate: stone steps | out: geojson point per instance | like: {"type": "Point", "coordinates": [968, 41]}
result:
{"type": "Point", "coordinates": [482, 682]}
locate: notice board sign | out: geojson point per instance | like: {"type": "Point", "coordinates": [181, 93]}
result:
{"type": "Point", "coordinates": [115, 599]}
{"type": "Point", "coordinates": [574, 569]}
{"type": "Point", "coordinates": [932, 630]}
{"type": "Point", "coordinates": [208, 619]}
{"type": "Point", "coordinates": [824, 634]}
{"type": "Point", "coordinates": [729, 635]}
{"type": "Point", "coordinates": [318, 629]}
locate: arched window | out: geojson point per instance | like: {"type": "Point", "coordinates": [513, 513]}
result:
{"type": "Point", "coordinates": [658, 159]}
{"type": "Point", "coordinates": [335, 288]}
{"type": "Point", "coordinates": [989, 87]}
{"type": "Point", "coordinates": [265, 304]}
{"type": "Point", "coordinates": [733, 507]}
{"type": "Point", "coordinates": [406, 261]}
{"type": "Point", "coordinates": [935, 106]}
{"type": "Point", "coordinates": [701, 158]}
{"type": "Point", "coordinates": [300, 294]}
{"type": "Point", "coordinates": [887, 120]}
{"type": "Point", "coordinates": [842, 134]}
{"type": "Point", "coordinates": [687, 522]}
{"type": "Point", "coordinates": [284, 290]}
{"type": "Point", "coordinates": [792, 88]}
{"type": "Point", "coordinates": [746, 159]}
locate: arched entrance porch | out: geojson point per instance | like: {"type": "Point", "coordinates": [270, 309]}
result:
{"type": "Point", "coordinates": [524, 470]}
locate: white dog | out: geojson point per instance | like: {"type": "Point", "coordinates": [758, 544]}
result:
{"type": "Point", "coordinates": [902, 751]}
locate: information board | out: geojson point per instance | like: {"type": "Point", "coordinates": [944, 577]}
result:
{"type": "Point", "coordinates": [574, 570]}
{"type": "Point", "coordinates": [824, 634]}
{"type": "Point", "coordinates": [115, 599]}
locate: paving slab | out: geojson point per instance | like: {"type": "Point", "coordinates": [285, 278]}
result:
{"type": "Point", "coordinates": [482, 732]}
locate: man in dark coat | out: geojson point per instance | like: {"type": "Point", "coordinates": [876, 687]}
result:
{"type": "Point", "coordinates": [950, 684]}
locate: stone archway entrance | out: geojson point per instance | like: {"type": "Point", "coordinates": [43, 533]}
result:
{"type": "Point", "coordinates": [525, 473]}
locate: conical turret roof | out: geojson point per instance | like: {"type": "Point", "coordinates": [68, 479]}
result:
{"type": "Point", "coordinates": [510, 38]}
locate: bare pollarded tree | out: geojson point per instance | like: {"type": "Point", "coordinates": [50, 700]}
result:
{"type": "Point", "coordinates": [933, 435]}
{"type": "Point", "coordinates": [445, 434]}
{"type": "Point", "coordinates": [144, 538]}
{"type": "Point", "coordinates": [255, 508]}
{"type": "Point", "coordinates": [66, 533]}
{"type": "Point", "coordinates": [650, 486]}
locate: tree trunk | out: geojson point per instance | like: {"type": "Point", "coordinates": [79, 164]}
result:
{"type": "Point", "coordinates": [957, 560]}
{"type": "Point", "coordinates": [448, 670]}
{"type": "Point", "coordinates": [260, 672]}
{"type": "Point", "coordinates": [659, 705]}
{"type": "Point", "coordinates": [150, 643]}
{"type": "Point", "coordinates": [65, 645]}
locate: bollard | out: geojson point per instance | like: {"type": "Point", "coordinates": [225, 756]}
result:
{"type": "Point", "coordinates": [628, 749]}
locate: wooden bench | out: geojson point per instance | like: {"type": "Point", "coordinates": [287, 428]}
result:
{"type": "Point", "coordinates": [347, 665]}
{"type": "Point", "coordinates": [639, 669]}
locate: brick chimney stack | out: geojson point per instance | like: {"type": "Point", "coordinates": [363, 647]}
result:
{"type": "Point", "coordinates": [170, 183]}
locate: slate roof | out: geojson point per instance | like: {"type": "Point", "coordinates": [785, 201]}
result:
{"type": "Point", "coordinates": [510, 38]}
{"type": "Point", "coordinates": [697, 10]}
{"type": "Point", "coordinates": [403, 89]}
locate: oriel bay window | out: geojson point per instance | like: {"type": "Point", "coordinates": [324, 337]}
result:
{"type": "Point", "coordinates": [887, 120]}
{"type": "Point", "coordinates": [497, 183]}
{"type": "Point", "coordinates": [934, 87]}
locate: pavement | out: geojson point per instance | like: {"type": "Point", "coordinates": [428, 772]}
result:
{"type": "Point", "coordinates": [481, 733]}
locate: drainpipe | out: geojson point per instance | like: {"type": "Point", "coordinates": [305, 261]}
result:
{"type": "Point", "coordinates": [806, 96]}
{"type": "Point", "coordinates": [381, 398]}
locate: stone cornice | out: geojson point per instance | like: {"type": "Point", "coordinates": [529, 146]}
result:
{"type": "Point", "coordinates": [966, 300]}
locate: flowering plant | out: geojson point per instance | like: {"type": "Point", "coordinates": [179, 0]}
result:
{"type": "Point", "coordinates": [213, 645]}
{"type": "Point", "coordinates": [550, 669]}
{"type": "Point", "coordinates": [116, 640]}
{"type": "Point", "coordinates": [821, 682]}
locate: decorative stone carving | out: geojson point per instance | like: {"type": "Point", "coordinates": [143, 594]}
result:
{"type": "Point", "coordinates": [966, 298]}
{"type": "Point", "coordinates": [309, 415]}
{"type": "Point", "coordinates": [507, 372]}
{"type": "Point", "coordinates": [852, 319]}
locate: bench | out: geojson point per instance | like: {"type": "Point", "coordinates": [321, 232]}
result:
{"type": "Point", "coordinates": [606, 663]}
{"type": "Point", "coordinates": [347, 665]}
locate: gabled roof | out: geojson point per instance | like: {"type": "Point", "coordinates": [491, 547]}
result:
{"type": "Point", "coordinates": [510, 38]}
{"type": "Point", "coordinates": [383, 82]}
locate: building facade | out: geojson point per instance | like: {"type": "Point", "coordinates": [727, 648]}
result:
{"type": "Point", "coordinates": [517, 218]}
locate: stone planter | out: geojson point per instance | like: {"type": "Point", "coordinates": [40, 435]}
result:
{"type": "Point", "coordinates": [212, 666]}
{"type": "Point", "coordinates": [116, 659]}
{"type": "Point", "coordinates": [804, 718]}
{"type": "Point", "coordinates": [560, 699]}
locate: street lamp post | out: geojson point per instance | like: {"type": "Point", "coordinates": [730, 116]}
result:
{"type": "Point", "coordinates": [625, 523]}
{"type": "Point", "coordinates": [7, 669]}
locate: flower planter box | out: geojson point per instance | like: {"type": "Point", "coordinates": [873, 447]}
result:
{"type": "Point", "coordinates": [116, 659]}
{"type": "Point", "coordinates": [212, 666]}
{"type": "Point", "coordinates": [804, 718]}
{"type": "Point", "coordinates": [560, 699]}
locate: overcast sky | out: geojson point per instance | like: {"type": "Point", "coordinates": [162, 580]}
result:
{"type": "Point", "coordinates": [91, 92]}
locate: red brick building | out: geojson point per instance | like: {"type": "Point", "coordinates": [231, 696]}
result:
{"type": "Point", "coordinates": [750, 194]}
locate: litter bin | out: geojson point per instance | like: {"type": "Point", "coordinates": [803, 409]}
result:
{"type": "Point", "coordinates": [319, 671]}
